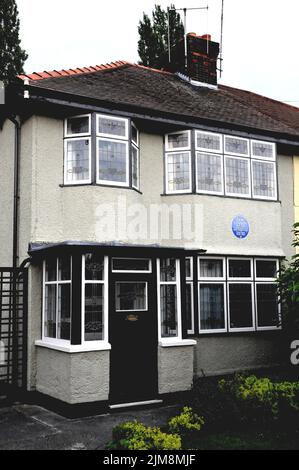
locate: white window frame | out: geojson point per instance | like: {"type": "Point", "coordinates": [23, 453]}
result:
{"type": "Point", "coordinates": [178, 149]}
{"type": "Point", "coordinates": [204, 191]}
{"type": "Point", "coordinates": [86, 181]}
{"type": "Point", "coordinates": [257, 196]}
{"type": "Point", "coordinates": [191, 332]}
{"type": "Point", "coordinates": [146, 296]}
{"type": "Point", "coordinates": [265, 279]}
{"type": "Point", "coordinates": [240, 195]}
{"type": "Point", "coordinates": [211, 279]}
{"type": "Point", "coordinates": [48, 339]}
{"type": "Point", "coordinates": [148, 271]}
{"type": "Point", "coordinates": [266, 328]}
{"type": "Point", "coordinates": [258, 157]}
{"type": "Point", "coordinates": [236, 153]}
{"type": "Point", "coordinates": [253, 327]}
{"type": "Point", "coordinates": [190, 278]}
{"type": "Point", "coordinates": [232, 258]}
{"type": "Point", "coordinates": [113, 118]}
{"type": "Point", "coordinates": [108, 182]}
{"type": "Point", "coordinates": [178, 191]}
{"type": "Point", "coordinates": [138, 166]}
{"type": "Point", "coordinates": [138, 138]}
{"type": "Point", "coordinates": [160, 283]}
{"type": "Point", "coordinates": [80, 134]}
{"type": "Point", "coordinates": [217, 330]}
{"type": "Point", "coordinates": [104, 282]}
{"type": "Point", "coordinates": [203, 149]}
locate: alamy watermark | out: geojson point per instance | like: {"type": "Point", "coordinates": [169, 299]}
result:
{"type": "Point", "coordinates": [295, 354]}
{"type": "Point", "coordinates": [154, 223]}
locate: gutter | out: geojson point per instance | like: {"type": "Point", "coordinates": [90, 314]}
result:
{"type": "Point", "coordinates": [15, 250]}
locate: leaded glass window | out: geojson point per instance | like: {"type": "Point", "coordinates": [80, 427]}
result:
{"type": "Point", "coordinates": [209, 173]}
{"type": "Point", "coordinates": [237, 176]}
{"type": "Point", "coordinates": [112, 127]}
{"type": "Point", "coordinates": [264, 150]}
{"type": "Point", "coordinates": [77, 161]}
{"type": "Point", "coordinates": [236, 146]}
{"type": "Point", "coordinates": [178, 172]}
{"type": "Point", "coordinates": [77, 125]}
{"type": "Point", "coordinates": [112, 162]}
{"type": "Point", "coordinates": [208, 141]}
{"type": "Point", "coordinates": [178, 141]}
{"type": "Point", "coordinates": [169, 303]}
{"type": "Point", "coordinates": [263, 179]}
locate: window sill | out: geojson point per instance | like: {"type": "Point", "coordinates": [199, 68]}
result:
{"type": "Point", "coordinates": [100, 185]}
{"type": "Point", "coordinates": [72, 348]}
{"type": "Point", "coordinates": [177, 342]}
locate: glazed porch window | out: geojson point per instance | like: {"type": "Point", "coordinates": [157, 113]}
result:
{"type": "Point", "coordinates": [57, 299]}
{"type": "Point", "coordinates": [169, 300]}
{"type": "Point", "coordinates": [94, 278]}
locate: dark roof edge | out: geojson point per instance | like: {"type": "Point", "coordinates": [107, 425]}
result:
{"type": "Point", "coordinates": [70, 100]}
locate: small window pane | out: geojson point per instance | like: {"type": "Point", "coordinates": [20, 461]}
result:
{"type": "Point", "coordinates": [263, 149]}
{"type": "Point", "coordinates": [94, 312]}
{"type": "Point", "coordinates": [236, 145]}
{"type": "Point", "coordinates": [132, 264]}
{"type": "Point", "coordinates": [178, 171]}
{"type": "Point", "coordinates": [94, 267]}
{"type": "Point", "coordinates": [77, 160]}
{"type": "Point", "coordinates": [239, 268]}
{"type": "Point", "coordinates": [264, 181]}
{"type": "Point", "coordinates": [134, 135]}
{"type": "Point", "coordinates": [130, 296]}
{"type": "Point", "coordinates": [189, 305]}
{"type": "Point", "coordinates": [50, 311]}
{"type": "Point", "coordinates": [112, 161]}
{"type": "Point", "coordinates": [51, 269]}
{"type": "Point", "coordinates": [266, 269]}
{"type": "Point", "coordinates": [211, 268]}
{"type": "Point", "coordinates": [237, 176]}
{"type": "Point", "coordinates": [64, 311]}
{"type": "Point", "coordinates": [178, 140]}
{"type": "Point", "coordinates": [208, 141]}
{"type": "Point", "coordinates": [267, 305]}
{"type": "Point", "coordinates": [113, 127]}
{"type": "Point", "coordinates": [168, 299]}
{"type": "Point", "coordinates": [64, 268]}
{"type": "Point", "coordinates": [78, 125]}
{"type": "Point", "coordinates": [212, 307]}
{"type": "Point", "coordinates": [135, 167]}
{"type": "Point", "coordinates": [240, 305]}
{"type": "Point", "coordinates": [188, 268]}
{"type": "Point", "coordinates": [209, 172]}
{"type": "Point", "coordinates": [168, 269]}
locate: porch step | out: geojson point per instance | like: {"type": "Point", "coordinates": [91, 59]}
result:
{"type": "Point", "coordinates": [135, 403]}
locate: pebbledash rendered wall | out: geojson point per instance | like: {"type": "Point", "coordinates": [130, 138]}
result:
{"type": "Point", "coordinates": [50, 212]}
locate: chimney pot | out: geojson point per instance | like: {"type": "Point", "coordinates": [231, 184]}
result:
{"type": "Point", "coordinates": [207, 37]}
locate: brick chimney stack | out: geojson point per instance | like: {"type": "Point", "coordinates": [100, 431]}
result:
{"type": "Point", "coordinates": [202, 55]}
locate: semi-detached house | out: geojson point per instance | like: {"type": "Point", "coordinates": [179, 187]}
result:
{"type": "Point", "coordinates": [150, 210]}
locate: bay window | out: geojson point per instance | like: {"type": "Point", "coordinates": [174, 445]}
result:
{"type": "Point", "coordinates": [237, 294]}
{"type": "Point", "coordinates": [209, 163]}
{"type": "Point", "coordinates": [101, 149]}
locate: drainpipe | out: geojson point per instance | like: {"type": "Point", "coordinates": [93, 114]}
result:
{"type": "Point", "coordinates": [15, 253]}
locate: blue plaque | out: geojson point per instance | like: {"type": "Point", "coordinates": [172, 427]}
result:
{"type": "Point", "coordinates": [240, 227]}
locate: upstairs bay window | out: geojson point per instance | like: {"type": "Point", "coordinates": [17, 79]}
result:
{"type": "Point", "coordinates": [101, 149]}
{"type": "Point", "coordinates": [209, 163]}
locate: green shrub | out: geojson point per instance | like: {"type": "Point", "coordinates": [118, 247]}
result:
{"type": "Point", "coordinates": [186, 422]}
{"type": "Point", "coordinates": [260, 398]}
{"type": "Point", "coordinates": [135, 436]}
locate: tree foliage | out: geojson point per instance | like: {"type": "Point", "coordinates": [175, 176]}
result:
{"type": "Point", "coordinates": [153, 36]}
{"type": "Point", "coordinates": [12, 56]}
{"type": "Point", "coordinates": [288, 285]}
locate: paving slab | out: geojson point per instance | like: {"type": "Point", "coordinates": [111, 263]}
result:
{"type": "Point", "coordinates": [30, 427]}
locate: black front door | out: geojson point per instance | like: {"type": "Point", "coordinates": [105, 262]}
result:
{"type": "Point", "coordinates": [133, 337]}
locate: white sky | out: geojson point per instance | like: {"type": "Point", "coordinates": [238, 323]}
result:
{"type": "Point", "coordinates": [260, 47]}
